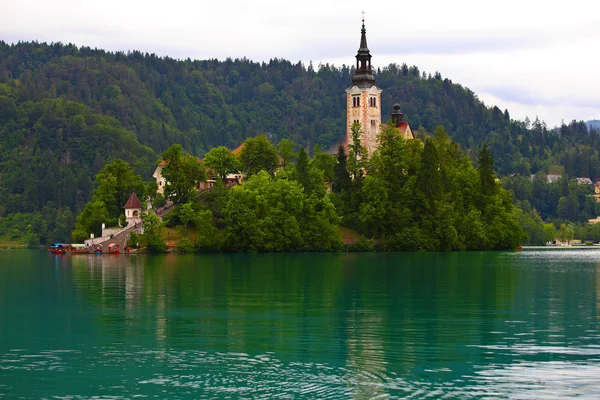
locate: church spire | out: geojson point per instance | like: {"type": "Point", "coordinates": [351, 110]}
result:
{"type": "Point", "coordinates": [363, 39]}
{"type": "Point", "coordinates": [363, 77]}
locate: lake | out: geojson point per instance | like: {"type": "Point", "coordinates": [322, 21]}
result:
{"type": "Point", "coordinates": [521, 325]}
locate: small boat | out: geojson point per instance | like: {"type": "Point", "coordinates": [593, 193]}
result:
{"type": "Point", "coordinates": [78, 249]}
{"type": "Point", "coordinates": [519, 248]}
{"type": "Point", "coordinates": [58, 248]}
{"type": "Point", "coordinates": [97, 249]}
{"type": "Point", "coordinates": [113, 248]}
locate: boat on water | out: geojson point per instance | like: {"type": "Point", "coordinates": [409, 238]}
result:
{"type": "Point", "coordinates": [97, 249]}
{"type": "Point", "coordinates": [58, 248]}
{"type": "Point", "coordinates": [76, 248]}
{"type": "Point", "coordinates": [113, 248]}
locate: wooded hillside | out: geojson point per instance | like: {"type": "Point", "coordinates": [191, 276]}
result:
{"type": "Point", "coordinates": [66, 110]}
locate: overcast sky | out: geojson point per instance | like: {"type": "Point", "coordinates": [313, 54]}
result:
{"type": "Point", "coordinates": [536, 58]}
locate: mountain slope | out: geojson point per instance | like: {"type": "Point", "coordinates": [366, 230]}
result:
{"type": "Point", "coordinates": [65, 111]}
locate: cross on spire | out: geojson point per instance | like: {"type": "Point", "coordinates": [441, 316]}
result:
{"type": "Point", "coordinates": [363, 14]}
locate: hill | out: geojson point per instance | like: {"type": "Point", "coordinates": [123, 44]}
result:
{"type": "Point", "coordinates": [594, 123]}
{"type": "Point", "coordinates": [66, 110]}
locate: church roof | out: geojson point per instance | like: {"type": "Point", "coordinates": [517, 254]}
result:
{"type": "Point", "coordinates": [363, 40]}
{"type": "Point", "coordinates": [133, 202]}
{"type": "Point", "coordinates": [363, 76]}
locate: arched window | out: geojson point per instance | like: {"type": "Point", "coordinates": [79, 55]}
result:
{"type": "Point", "coordinates": [372, 101]}
{"type": "Point", "coordinates": [373, 123]}
{"type": "Point", "coordinates": [355, 101]}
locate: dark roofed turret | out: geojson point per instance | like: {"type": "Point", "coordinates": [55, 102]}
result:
{"type": "Point", "coordinates": [397, 115]}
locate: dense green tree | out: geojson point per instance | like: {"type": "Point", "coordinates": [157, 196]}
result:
{"type": "Point", "coordinates": [341, 177]}
{"type": "Point", "coordinates": [90, 220]}
{"type": "Point", "coordinates": [152, 236]}
{"type": "Point", "coordinates": [485, 168]}
{"type": "Point", "coordinates": [286, 151]}
{"type": "Point", "coordinates": [565, 234]}
{"type": "Point", "coordinates": [222, 161]}
{"type": "Point", "coordinates": [116, 181]}
{"type": "Point", "coordinates": [258, 154]}
{"type": "Point", "coordinates": [267, 214]}
{"type": "Point", "coordinates": [357, 153]}
{"type": "Point", "coordinates": [182, 172]}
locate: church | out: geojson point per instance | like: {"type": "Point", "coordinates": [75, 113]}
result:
{"type": "Point", "coordinates": [363, 102]}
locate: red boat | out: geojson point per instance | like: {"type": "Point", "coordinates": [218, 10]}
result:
{"type": "Point", "coordinates": [113, 248]}
{"type": "Point", "coordinates": [78, 249]}
{"type": "Point", "coordinates": [58, 248]}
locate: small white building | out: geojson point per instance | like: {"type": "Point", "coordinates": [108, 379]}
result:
{"type": "Point", "coordinates": [133, 209]}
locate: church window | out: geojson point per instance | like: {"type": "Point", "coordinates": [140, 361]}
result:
{"type": "Point", "coordinates": [355, 101]}
{"type": "Point", "coordinates": [373, 123]}
{"type": "Point", "coordinates": [373, 102]}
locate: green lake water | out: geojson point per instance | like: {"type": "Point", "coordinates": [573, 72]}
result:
{"type": "Point", "coordinates": [521, 325]}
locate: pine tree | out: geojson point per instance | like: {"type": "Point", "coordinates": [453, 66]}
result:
{"type": "Point", "coordinates": [341, 177]}
{"type": "Point", "coordinates": [487, 178]}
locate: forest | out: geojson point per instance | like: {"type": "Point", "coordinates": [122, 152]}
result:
{"type": "Point", "coordinates": [67, 111]}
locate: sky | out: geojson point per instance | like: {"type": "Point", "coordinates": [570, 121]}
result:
{"type": "Point", "coordinates": [534, 58]}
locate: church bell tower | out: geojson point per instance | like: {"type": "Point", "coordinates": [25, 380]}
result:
{"type": "Point", "coordinates": [363, 99]}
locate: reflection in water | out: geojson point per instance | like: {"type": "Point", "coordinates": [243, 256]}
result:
{"type": "Point", "coordinates": [459, 325]}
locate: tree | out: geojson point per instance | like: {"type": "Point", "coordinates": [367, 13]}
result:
{"type": "Point", "coordinates": [565, 234]}
{"type": "Point", "coordinates": [274, 214]}
{"type": "Point", "coordinates": [90, 220]}
{"type": "Point", "coordinates": [258, 154]}
{"type": "Point", "coordinates": [286, 151]}
{"type": "Point", "coordinates": [324, 162]}
{"type": "Point", "coordinates": [222, 161]}
{"type": "Point", "coordinates": [357, 153]}
{"type": "Point", "coordinates": [487, 177]}
{"type": "Point", "coordinates": [181, 173]}
{"type": "Point", "coordinates": [302, 169]}
{"type": "Point", "coordinates": [428, 175]}
{"type": "Point", "coordinates": [341, 177]}
{"type": "Point", "coordinates": [116, 181]}
{"type": "Point", "coordinates": [550, 233]}
{"type": "Point", "coordinates": [152, 236]}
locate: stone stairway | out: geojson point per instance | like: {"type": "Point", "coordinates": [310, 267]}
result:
{"type": "Point", "coordinates": [121, 237]}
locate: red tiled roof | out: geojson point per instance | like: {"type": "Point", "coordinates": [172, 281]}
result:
{"type": "Point", "coordinates": [238, 149]}
{"type": "Point", "coordinates": [133, 202]}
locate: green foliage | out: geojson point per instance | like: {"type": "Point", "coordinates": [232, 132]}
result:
{"type": "Point", "coordinates": [362, 245]}
{"type": "Point", "coordinates": [258, 154]}
{"type": "Point", "coordinates": [152, 236]}
{"type": "Point", "coordinates": [185, 245]}
{"type": "Point", "coordinates": [341, 176]}
{"type": "Point", "coordinates": [429, 197]}
{"type": "Point", "coordinates": [67, 111]}
{"type": "Point", "coordinates": [563, 199]}
{"type": "Point", "coordinates": [357, 153]}
{"type": "Point", "coordinates": [181, 173]}
{"type": "Point", "coordinates": [565, 234]}
{"type": "Point", "coordinates": [486, 172]}
{"type": "Point", "coordinates": [286, 151]}
{"type": "Point", "coordinates": [90, 220]}
{"type": "Point", "coordinates": [221, 161]}
{"type": "Point", "coordinates": [267, 214]}
{"type": "Point", "coordinates": [116, 181]}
